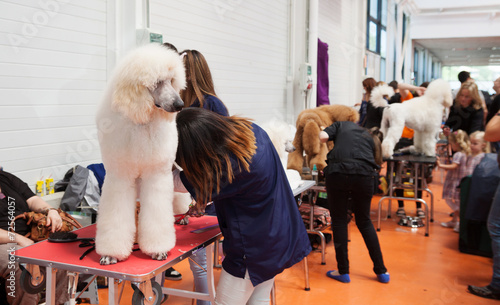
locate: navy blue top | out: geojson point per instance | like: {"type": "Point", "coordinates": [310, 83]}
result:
{"type": "Point", "coordinates": [259, 218]}
{"type": "Point", "coordinates": [212, 103]}
{"type": "Point", "coordinates": [352, 152]}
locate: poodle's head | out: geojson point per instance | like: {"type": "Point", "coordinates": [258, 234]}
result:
{"type": "Point", "coordinates": [281, 135]}
{"type": "Point", "coordinates": [440, 90]}
{"type": "Point", "coordinates": [148, 80]}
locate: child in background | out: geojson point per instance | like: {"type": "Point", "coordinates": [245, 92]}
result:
{"type": "Point", "coordinates": [478, 147]}
{"type": "Point", "coordinates": [460, 144]}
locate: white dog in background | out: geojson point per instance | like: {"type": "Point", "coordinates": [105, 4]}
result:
{"type": "Point", "coordinates": [138, 140]}
{"type": "Point", "coordinates": [281, 135]}
{"type": "Point", "coordinates": [423, 114]}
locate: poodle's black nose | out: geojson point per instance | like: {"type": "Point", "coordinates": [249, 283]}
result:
{"type": "Point", "coordinates": [178, 104]}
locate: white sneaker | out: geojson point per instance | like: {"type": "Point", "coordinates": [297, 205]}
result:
{"type": "Point", "coordinates": [449, 224]}
{"type": "Point", "coordinates": [457, 227]}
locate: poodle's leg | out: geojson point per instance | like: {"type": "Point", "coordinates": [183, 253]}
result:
{"type": "Point", "coordinates": [156, 218]}
{"type": "Point", "coordinates": [319, 159]}
{"type": "Point", "coordinates": [296, 160]}
{"type": "Point", "coordinates": [427, 143]}
{"type": "Point", "coordinates": [393, 135]}
{"type": "Point", "coordinates": [116, 219]}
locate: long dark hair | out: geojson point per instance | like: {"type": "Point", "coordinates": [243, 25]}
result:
{"type": "Point", "coordinates": [207, 141]}
{"type": "Point", "coordinates": [198, 78]}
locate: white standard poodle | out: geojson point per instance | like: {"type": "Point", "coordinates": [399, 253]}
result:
{"type": "Point", "coordinates": [423, 114]}
{"type": "Point", "coordinates": [281, 135]}
{"type": "Point", "coordinates": [138, 139]}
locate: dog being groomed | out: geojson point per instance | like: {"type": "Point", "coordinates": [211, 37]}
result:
{"type": "Point", "coordinates": [138, 140]}
{"type": "Point", "coordinates": [423, 114]}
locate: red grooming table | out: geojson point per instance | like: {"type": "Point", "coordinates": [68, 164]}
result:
{"type": "Point", "coordinates": [138, 268]}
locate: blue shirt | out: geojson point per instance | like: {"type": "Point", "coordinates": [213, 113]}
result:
{"type": "Point", "coordinates": [212, 103]}
{"type": "Point", "coordinates": [259, 218]}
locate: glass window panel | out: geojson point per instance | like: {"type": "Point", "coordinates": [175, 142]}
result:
{"type": "Point", "coordinates": [372, 38]}
{"type": "Point", "coordinates": [382, 70]}
{"type": "Point", "coordinates": [383, 11]}
{"type": "Point", "coordinates": [374, 8]}
{"type": "Point", "coordinates": [383, 43]}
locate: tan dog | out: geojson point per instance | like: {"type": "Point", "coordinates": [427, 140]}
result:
{"type": "Point", "coordinates": [309, 124]}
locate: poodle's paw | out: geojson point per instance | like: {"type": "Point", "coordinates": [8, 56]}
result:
{"type": "Point", "coordinates": [183, 221]}
{"type": "Point", "coordinates": [108, 260]}
{"type": "Point", "coordinates": [159, 256]}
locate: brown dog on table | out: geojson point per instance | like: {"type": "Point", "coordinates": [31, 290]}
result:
{"type": "Point", "coordinates": [309, 123]}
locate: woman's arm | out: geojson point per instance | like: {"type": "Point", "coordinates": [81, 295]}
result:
{"type": "Point", "coordinates": [12, 237]}
{"type": "Point", "coordinates": [38, 205]}
{"type": "Point", "coordinates": [492, 132]}
{"type": "Point", "coordinates": [405, 88]}
{"type": "Point", "coordinates": [323, 137]}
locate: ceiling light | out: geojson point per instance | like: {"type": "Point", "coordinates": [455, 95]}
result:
{"type": "Point", "coordinates": [479, 49]}
{"type": "Point", "coordinates": [453, 49]}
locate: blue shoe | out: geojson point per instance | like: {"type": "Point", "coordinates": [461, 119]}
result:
{"type": "Point", "coordinates": [384, 278]}
{"type": "Point", "coordinates": [344, 278]}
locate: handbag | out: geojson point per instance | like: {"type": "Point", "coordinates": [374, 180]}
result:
{"type": "Point", "coordinates": [36, 222]}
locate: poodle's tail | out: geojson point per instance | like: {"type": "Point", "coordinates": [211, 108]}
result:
{"type": "Point", "coordinates": [380, 94]}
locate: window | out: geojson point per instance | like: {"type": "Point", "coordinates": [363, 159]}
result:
{"type": "Point", "coordinates": [376, 40]}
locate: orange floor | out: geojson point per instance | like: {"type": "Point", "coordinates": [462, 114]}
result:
{"type": "Point", "coordinates": [424, 270]}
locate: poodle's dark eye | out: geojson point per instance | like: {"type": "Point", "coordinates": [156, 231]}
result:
{"type": "Point", "coordinates": [159, 84]}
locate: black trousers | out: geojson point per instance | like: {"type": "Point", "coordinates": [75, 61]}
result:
{"type": "Point", "coordinates": [352, 192]}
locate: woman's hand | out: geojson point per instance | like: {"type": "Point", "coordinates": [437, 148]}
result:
{"type": "Point", "coordinates": [23, 241]}
{"type": "Point", "coordinates": [446, 131]}
{"type": "Point", "coordinates": [54, 220]}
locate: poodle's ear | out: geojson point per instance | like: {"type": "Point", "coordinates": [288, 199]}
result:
{"type": "Point", "coordinates": [310, 138]}
{"type": "Point", "coordinates": [133, 101]}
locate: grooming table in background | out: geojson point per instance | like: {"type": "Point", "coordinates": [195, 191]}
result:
{"type": "Point", "coordinates": [305, 187]}
{"type": "Point", "coordinates": [395, 182]}
{"type": "Point", "coordinates": [139, 268]}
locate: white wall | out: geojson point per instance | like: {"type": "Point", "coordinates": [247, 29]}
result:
{"type": "Point", "coordinates": [342, 27]}
{"type": "Point", "coordinates": [53, 70]}
{"type": "Point", "coordinates": [244, 42]}
{"type": "Point", "coordinates": [56, 55]}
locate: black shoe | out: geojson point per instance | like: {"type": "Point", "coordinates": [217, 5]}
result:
{"type": "Point", "coordinates": [484, 292]}
{"type": "Point", "coordinates": [172, 274]}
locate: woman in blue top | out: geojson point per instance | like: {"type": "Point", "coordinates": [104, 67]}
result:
{"type": "Point", "coordinates": [232, 162]}
{"type": "Point", "coordinates": [200, 91]}
{"type": "Point", "coordinates": [350, 176]}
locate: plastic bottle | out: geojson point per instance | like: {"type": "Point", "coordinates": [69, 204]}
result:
{"type": "Point", "coordinates": [314, 174]}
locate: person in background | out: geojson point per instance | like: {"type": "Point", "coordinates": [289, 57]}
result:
{"type": "Point", "coordinates": [368, 85]}
{"type": "Point", "coordinates": [494, 108]}
{"type": "Point", "coordinates": [478, 147]}
{"type": "Point", "coordinates": [467, 113]}
{"type": "Point", "coordinates": [463, 77]}
{"type": "Point", "coordinates": [353, 165]}
{"type": "Point", "coordinates": [232, 162]}
{"type": "Point", "coordinates": [200, 91]}
{"type": "Point", "coordinates": [460, 144]}
{"type": "Point", "coordinates": [492, 290]}
{"type": "Point", "coordinates": [16, 193]}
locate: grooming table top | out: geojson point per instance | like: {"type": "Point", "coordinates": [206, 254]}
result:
{"type": "Point", "coordinates": [138, 267]}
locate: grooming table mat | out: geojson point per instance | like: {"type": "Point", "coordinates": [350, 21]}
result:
{"type": "Point", "coordinates": [138, 267]}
